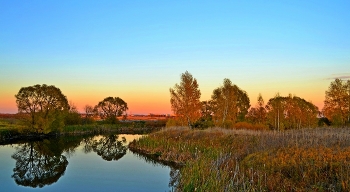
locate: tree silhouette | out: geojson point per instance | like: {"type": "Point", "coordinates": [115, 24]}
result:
{"type": "Point", "coordinates": [36, 166]}
{"type": "Point", "coordinates": [44, 106]}
{"type": "Point", "coordinates": [110, 108]}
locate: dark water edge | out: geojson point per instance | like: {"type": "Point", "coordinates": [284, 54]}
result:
{"type": "Point", "coordinates": [13, 136]}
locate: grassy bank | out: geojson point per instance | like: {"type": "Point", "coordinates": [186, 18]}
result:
{"type": "Point", "coordinates": [12, 129]}
{"type": "Point", "coordinates": [106, 128]}
{"type": "Point", "coordinates": [240, 160]}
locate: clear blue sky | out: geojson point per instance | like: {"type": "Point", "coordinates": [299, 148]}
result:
{"type": "Point", "coordinates": [137, 49]}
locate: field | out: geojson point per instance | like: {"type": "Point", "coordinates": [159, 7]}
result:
{"type": "Point", "coordinates": [11, 127]}
{"type": "Point", "coordinates": [9, 122]}
{"type": "Point", "coordinates": [243, 160]}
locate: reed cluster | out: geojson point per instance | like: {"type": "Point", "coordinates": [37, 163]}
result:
{"type": "Point", "coordinates": [245, 160]}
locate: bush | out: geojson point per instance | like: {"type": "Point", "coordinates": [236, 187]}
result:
{"type": "Point", "coordinates": [249, 126]}
{"type": "Point", "coordinates": [73, 118]}
{"type": "Point", "coordinates": [173, 123]}
{"type": "Point", "coordinates": [157, 123]}
{"type": "Point", "coordinates": [88, 120]}
{"type": "Point", "coordinates": [203, 123]}
{"type": "Point", "coordinates": [324, 121]}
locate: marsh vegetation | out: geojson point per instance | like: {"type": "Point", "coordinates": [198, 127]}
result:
{"type": "Point", "coordinates": [218, 159]}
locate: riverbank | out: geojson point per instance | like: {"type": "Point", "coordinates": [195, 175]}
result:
{"type": "Point", "coordinates": [241, 160]}
{"type": "Point", "coordinates": [10, 130]}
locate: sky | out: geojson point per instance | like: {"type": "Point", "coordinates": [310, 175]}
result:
{"type": "Point", "coordinates": [137, 50]}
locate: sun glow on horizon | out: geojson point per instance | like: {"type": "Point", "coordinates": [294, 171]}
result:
{"type": "Point", "coordinates": [138, 50]}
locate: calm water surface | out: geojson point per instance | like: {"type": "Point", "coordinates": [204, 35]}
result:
{"type": "Point", "coordinates": [100, 163]}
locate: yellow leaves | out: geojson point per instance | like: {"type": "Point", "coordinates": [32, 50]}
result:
{"type": "Point", "coordinates": [184, 99]}
{"type": "Point", "coordinates": [337, 102]}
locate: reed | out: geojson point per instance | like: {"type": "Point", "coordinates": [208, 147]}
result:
{"type": "Point", "coordinates": [247, 160]}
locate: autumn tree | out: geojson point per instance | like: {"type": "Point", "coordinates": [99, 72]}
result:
{"type": "Point", "coordinates": [337, 102]}
{"type": "Point", "coordinates": [206, 119]}
{"type": "Point", "coordinates": [44, 107]}
{"type": "Point", "coordinates": [290, 112]}
{"type": "Point", "coordinates": [230, 104]}
{"type": "Point", "coordinates": [185, 99]}
{"type": "Point", "coordinates": [274, 108]}
{"type": "Point", "coordinates": [110, 108]}
{"type": "Point", "coordinates": [257, 114]}
{"type": "Point", "coordinates": [206, 109]}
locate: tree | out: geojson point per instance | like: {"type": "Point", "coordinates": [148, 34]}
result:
{"type": "Point", "coordinates": [337, 102]}
{"type": "Point", "coordinates": [206, 109]}
{"type": "Point", "coordinates": [89, 111]}
{"type": "Point", "coordinates": [274, 111]}
{"type": "Point", "coordinates": [205, 120]}
{"type": "Point", "coordinates": [73, 116]}
{"type": "Point", "coordinates": [291, 112]}
{"type": "Point", "coordinates": [230, 104]}
{"type": "Point", "coordinates": [44, 107]}
{"type": "Point", "coordinates": [89, 114]}
{"type": "Point", "coordinates": [185, 99]}
{"type": "Point", "coordinates": [257, 114]}
{"type": "Point", "coordinates": [110, 108]}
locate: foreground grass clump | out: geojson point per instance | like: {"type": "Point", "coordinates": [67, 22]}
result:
{"type": "Point", "coordinates": [242, 160]}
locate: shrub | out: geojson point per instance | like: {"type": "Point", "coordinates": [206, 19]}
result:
{"type": "Point", "coordinates": [249, 126]}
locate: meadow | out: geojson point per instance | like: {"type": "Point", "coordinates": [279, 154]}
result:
{"type": "Point", "coordinates": [218, 159]}
{"type": "Point", "coordinates": [12, 128]}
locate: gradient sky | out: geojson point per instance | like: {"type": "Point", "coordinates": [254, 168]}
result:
{"type": "Point", "coordinates": [137, 50]}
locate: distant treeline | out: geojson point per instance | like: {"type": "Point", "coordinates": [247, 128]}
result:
{"type": "Point", "coordinates": [45, 109]}
{"type": "Point", "coordinates": [229, 107]}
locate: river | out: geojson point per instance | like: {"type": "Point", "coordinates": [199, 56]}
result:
{"type": "Point", "coordinates": [80, 163]}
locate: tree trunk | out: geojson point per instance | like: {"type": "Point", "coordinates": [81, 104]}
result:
{"type": "Point", "coordinates": [278, 120]}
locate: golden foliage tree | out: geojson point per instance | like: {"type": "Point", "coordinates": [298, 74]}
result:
{"type": "Point", "coordinates": [257, 114]}
{"type": "Point", "coordinates": [185, 99]}
{"type": "Point", "coordinates": [337, 102]}
{"type": "Point", "coordinates": [229, 104]}
{"type": "Point", "coordinates": [290, 112]}
{"type": "Point", "coordinates": [274, 108]}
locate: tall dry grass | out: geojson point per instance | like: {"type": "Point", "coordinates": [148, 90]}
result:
{"type": "Point", "coordinates": [218, 159]}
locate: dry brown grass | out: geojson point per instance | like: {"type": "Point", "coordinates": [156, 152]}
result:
{"type": "Point", "coordinates": [219, 159]}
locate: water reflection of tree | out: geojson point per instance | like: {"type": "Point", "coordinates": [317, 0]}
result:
{"type": "Point", "coordinates": [108, 147]}
{"type": "Point", "coordinates": [40, 163]}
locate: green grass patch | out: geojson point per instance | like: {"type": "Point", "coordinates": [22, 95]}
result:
{"type": "Point", "coordinates": [10, 124]}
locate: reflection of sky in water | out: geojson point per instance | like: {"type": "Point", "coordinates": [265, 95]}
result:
{"type": "Point", "coordinates": [6, 166]}
{"type": "Point", "coordinates": [89, 172]}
